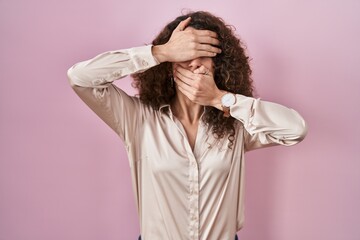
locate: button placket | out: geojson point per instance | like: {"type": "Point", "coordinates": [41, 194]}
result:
{"type": "Point", "coordinates": [194, 217]}
{"type": "Point", "coordinates": [194, 198]}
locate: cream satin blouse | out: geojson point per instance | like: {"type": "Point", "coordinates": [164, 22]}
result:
{"type": "Point", "coordinates": [181, 194]}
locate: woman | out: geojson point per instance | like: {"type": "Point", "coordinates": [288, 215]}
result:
{"type": "Point", "coordinates": [187, 133]}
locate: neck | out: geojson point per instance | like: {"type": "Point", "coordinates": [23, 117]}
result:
{"type": "Point", "coordinates": [186, 110]}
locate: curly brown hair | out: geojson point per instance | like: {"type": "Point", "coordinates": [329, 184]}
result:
{"type": "Point", "coordinates": [232, 72]}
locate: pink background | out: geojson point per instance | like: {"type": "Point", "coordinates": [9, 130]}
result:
{"type": "Point", "coordinates": [64, 174]}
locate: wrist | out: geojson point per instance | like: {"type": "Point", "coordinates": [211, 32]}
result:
{"type": "Point", "coordinates": [217, 100]}
{"type": "Point", "coordinates": [159, 53]}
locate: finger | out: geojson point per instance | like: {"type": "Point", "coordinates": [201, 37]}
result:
{"type": "Point", "coordinates": [184, 86]}
{"type": "Point", "coordinates": [208, 48]}
{"type": "Point", "coordinates": [183, 79]}
{"type": "Point", "coordinates": [185, 73]}
{"type": "Point", "coordinates": [183, 24]}
{"type": "Point", "coordinates": [203, 53]}
{"type": "Point", "coordinates": [208, 40]}
{"type": "Point", "coordinates": [205, 33]}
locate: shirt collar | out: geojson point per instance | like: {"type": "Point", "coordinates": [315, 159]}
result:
{"type": "Point", "coordinates": [165, 106]}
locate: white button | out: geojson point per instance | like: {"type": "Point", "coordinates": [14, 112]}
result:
{"type": "Point", "coordinates": [144, 63]}
{"type": "Point", "coordinates": [97, 82]}
{"type": "Point", "coordinates": [117, 74]}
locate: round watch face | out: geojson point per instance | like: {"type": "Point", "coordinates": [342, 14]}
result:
{"type": "Point", "coordinates": [228, 99]}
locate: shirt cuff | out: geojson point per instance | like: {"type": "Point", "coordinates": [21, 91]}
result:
{"type": "Point", "coordinates": [242, 109]}
{"type": "Point", "coordinates": [143, 57]}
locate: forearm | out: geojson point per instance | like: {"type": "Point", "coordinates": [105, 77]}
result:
{"type": "Point", "coordinates": [269, 122]}
{"type": "Point", "coordinates": [111, 65]}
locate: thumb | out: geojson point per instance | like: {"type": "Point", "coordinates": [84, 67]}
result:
{"type": "Point", "coordinates": [182, 25]}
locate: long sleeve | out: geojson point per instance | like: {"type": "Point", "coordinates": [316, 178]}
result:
{"type": "Point", "coordinates": [92, 81]}
{"type": "Point", "coordinates": [268, 123]}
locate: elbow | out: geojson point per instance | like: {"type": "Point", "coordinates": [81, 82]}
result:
{"type": "Point", "coordinates": [71, 76]}
{"type": "Point", "coordinates": [299, 131]}
{"type": "Point", "coordinates": [299, 127]}
{"type": "Point", "coordinates": [74, 75]}
{"type": "Point", "coordinates": [80, 75]}
{"type": "Point", "coordinates": [295, 133]}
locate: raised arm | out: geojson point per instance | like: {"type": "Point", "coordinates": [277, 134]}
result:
{"type": "Point", "coordinates": [109, 66]}
{"type": "Point", "coordinates": [92, 81]}
{"type": "Point", "coordinates": [268, 123]}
